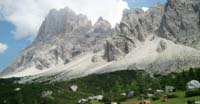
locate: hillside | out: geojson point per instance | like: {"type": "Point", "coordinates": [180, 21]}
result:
{"type": "Point", "coordinates": [110, 85]}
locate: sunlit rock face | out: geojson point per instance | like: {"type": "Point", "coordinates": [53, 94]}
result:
{"type": "Point", "coordinates": [181, 22]}
{"type": "Point", "coordinates": [135, 26]}
{"type": "Point", "coordinates": [62, 36]}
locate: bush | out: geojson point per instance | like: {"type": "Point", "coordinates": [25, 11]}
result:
{"type": "Point", "coordinates": [122, 99]}
{"type": "Point", "coordinates": [192, 93]}
{"type": "Point", "coordinates": [106, 100]}
{"type": "Point", "coordinates": [171, 96]}
{"type": "Point", "coordinates": [154, 98]}
{"type": "Point", "coordinates": [190, 102]}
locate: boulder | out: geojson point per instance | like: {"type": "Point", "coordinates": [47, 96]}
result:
{"type": "Point", "coordinates": [112, 52]}
{"type": "Point", "coordinates": [96, 58]}
{"type": "Point", "coordinates": [193, 84]}
{"type": "Point", "coordinates": [161, 46]}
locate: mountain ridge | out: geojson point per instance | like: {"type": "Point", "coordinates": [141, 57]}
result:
{"type": "Point", "coordinates": [69, 46]}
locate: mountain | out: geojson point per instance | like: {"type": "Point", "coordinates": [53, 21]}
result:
{"type": "Point", "coordinates": [62, 36]}
{"type": "Point", "coordinates": [161, 40]}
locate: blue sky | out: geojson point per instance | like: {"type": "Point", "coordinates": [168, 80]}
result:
{"type": "Point", "coordinates": [15, 46]}
{"type": "Point", "coordinates": [144, 3]}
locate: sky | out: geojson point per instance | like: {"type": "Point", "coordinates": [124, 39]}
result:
{"type": "Point", "coordinates": [21, 19]}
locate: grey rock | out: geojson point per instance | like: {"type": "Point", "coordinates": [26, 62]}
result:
{"type": "Point", "coordinates": [134, 27]}
{"type": "Point", "coordinates": [161, 46]}
{"type": "Point", "coordinates": [102, 26]}
{"type": "Point", "coordinates": [96, 58]}
{"type": "Point", "coordinates": [112, 52]}
{"type": "Point", "coordinates": [181, 22]}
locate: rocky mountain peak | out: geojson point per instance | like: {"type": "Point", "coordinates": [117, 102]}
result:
{"type": "Point", "coordinates": [100, 19]}
{"type": "Point", "coordinates": [62, 36]}
{"type": "Point", "coordinates": [62, 21]}
{"type": "Point", "coordinates": [102, 25]}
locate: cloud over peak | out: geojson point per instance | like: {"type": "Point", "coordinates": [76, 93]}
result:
{"type": "Point", "coordinates": [27, 15]}
{"type": "Point", "coordinates": [3, 48]}
{"type": "Point", "coordinates": [145, 9]}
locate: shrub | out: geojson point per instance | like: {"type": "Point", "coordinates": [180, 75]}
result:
{"type": "Point", "coordinates": [192, 93]}
{"type": "Point", "coordinates": [154, 98]}
{"type": "Point", "coordinates": [122, 98]}
{"type": "Point", "coordinates": [106, 100]}
{"type": "Point", "coordinates": [190, 102]}
{"type": "Point", "coordinates": [171, 96]}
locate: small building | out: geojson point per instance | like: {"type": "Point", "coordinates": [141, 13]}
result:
{"type": "Point", "coordinates": [150, 95]}
{"type": "Point", "coordinates": [149, 89]}
{"type": "Point", "coordinates": [169, 89]}
{"type": "Point", "coordinates": [74, 88]}
{"type": "Point", "coordinates": [159, 91]}
{"type": "Point", "coordinates": [82, 101]}
{"type": "Point", "coordinates": [197, 102]}
{"type": "Point", "coordinates": [47, 94]}
{"type": "Point", "coordinates": [130, 94]}
{"type": "Point", "coordinates": [98, 97]}
{"type": "Point", "coordinates": [17, 89]}
{"type": "Point", "coordinates": [113, 103]}
{"type": "Point", "coordinates": [123, 94]}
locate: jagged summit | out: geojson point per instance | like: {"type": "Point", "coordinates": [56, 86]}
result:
{"type": "Point", "coordinates": [100, 19]}
{"type": "Point", "coordinates": [102, 25]}
{"type": "Point", "coordinates": [60, 22]}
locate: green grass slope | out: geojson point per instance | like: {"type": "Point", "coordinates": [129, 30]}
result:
{"type": "Point", "coordinates": [110, 85]}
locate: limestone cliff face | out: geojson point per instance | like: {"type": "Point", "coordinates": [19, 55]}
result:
{"type": "Point", "coordinates": [62, 36]}
{"type": "Point", "coordinates": [181, 22]}
{"type": "Point", "coordinates": [136, 25]}
{"type": "Point", "coordinates": [178, 21]}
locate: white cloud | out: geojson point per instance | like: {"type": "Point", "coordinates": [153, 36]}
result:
{"type": "Point", "coordinates": [27, 15]}
{"type": "Point", "coordinates": [145, 9]}
{"type": "Point", "coordinates": [3, 47]}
